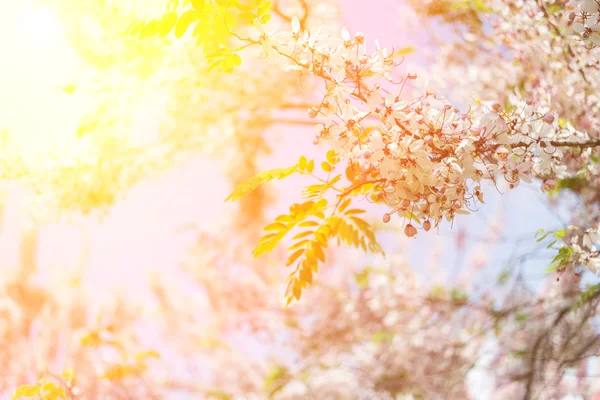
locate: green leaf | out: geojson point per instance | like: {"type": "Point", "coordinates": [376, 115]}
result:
{"type": "Point", "coordinates": [235, 60]}
{"type": "Point", "coordinates": [167, 24]}
{"type": "Point", "coordinates": [302, 163]}
{"type": "Point", "coordinates": [137, 28]}
{"type": "Point", "coordinates": [26, 391]}
{"type": "Point", "coordinates": [150, 29]}
{"type": "Point", "coordinates": [198, 5]}
{"type": "Point", "coordinates": [405, 51]}
{"type": "Point", "coordinates": [184, 22]}
{"type": "Point", "coordinates": [254, 182]}
{"type": "Point", "coordinates": [265, 18]}
{"type": "Point", "coordinates": [362, 278]}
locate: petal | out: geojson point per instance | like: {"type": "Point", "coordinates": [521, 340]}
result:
{"type": "Point", "coordinates": [295, 25]}
{"type": "Point", "coordinates": [589, 6]}
{"type": "Point", "coordinates": [345, 34]}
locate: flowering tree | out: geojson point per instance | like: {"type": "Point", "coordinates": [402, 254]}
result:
{"type": "Point", "coordinates": [419, 154]}
{"type": "Point", "coordinates": [425, 154]}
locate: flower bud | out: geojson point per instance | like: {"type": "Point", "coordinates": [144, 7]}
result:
{"type": "Point", "coordinates": [410, 231]}
{"type": "Point", "coordinates": [316, 141]}
{"type": "Point", "coordinates": [405, 203]}
{"type": "Point", "coordinates": [548, 118]}
{"type": "Point", "coordinates": [548, 184]}
{"type": "Point", "coordinates": [427, 226]}
{"type": "Point", "coordinates": [475, 131]}
{"type": "Point", "coordinates": [313, 112]}
{"type": "Point", "coordinates": [412, 75]}
{"type": "Point", "coordinates": [367, 154]}
{"type": "Point", "coordinates": [586, 122]}
{"type": "Point", "coordinates": [386, 218]}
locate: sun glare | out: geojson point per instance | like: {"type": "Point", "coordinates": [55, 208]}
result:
{"type": "Point", "coordinates": [37, 62]}
{"type": "Point", "coordinates": [40, 25]}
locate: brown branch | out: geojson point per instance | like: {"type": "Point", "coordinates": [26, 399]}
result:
{"type": "Point", "coordinates": [287, 18]}
{"type": "Point", "coordinates": [581, 145]}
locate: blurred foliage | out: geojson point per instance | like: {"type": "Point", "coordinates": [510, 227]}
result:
{"type": "Point", "coordinates": [214, 24]}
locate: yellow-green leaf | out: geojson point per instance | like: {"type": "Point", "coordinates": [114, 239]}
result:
{"type": "Point", "coordinates": [344, 205]}
{"type": "Point", "coordinates": [354, 211]}
{"type": "Point", "coordinates": [265, 18]}
{"type": "Point", "coordinates": [306, 274]}
{"type": "Point", "coordinates": [185, 21]}
{"type": "Point", "coordinates": [167, 24]}
{"type": "Point", "coordinates": [275, 226]}
{"type": "Point", "coordinates": [294, 257]}
{"type": "Point", "coordinates": [308, 224]}
{"type": "Point", "coordinates": [149, 29]}
{"type": "Point", "coordinates": [254, 182]}
{"type": "Point", "coordinates": [302, 235]}
{"type": "Point", "coordinates": [26, 391]}
{"type": "Point", "coordinates": [302, 163]}
{"type": "Point", "coordinates": [298, 245]}
{"type": "Point", "coordinates": [319, 253]}
{"type": "Point", "coordinates": [198, 5]}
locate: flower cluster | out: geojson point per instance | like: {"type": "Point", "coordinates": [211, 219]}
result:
{"type": "Point", "coordinates": [426, 158]}
{"type": "Point", "coordinates": [586, 20]}
{"type": "Point", "coordinates": [534, 50]}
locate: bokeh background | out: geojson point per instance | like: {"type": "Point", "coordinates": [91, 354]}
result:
{"type": "Point", "coordinates": [163, 263]}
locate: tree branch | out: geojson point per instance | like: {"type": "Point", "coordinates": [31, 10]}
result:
{"type": "Point", "coordinates": [581, 145]}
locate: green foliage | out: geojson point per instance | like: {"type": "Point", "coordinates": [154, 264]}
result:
{"type": "Point", "coordinates": [404, 51]}
{"type": "Point", "coordinates": [475, 5]}
{"type": "Point", "coordinates": [521, 317]}
{"type": "Point", "coordinates": [277, 379]}
{"type": "Point", "coordinates": [587, 295]}
{"type": "Point", "coordinates": [380, 337]}
{"type": "Point", "coordinates": [362, 278]}
{"type": "Point", "coordinates": [458, 296]}
{"type": "Point", "coordinates": [316, 229]}
{"type": "Point", "coordinates": [554, 9]}
{"type": "Point", "coordinates": [454, 11]}
{"type": "Point", "coordinates": [44, 390]}
{"type": "Point", "coordinates": [503, 277]}
{"type": "Point", "coordinates": [562, 259]}
{"type": "Point", "coordinates": [254, 182]}
{"type": "Point", "coordinates": [212, 25]}
{"type": "Point", "coordinates": [218, 395]}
